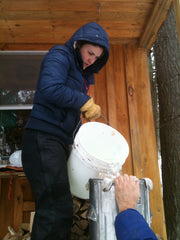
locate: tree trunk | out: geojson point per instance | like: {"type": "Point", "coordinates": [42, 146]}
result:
{"type": "Point", "coordinates": [167, 55]}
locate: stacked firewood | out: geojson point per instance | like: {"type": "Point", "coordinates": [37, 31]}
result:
{"type": "Point", "coordinates": [80, 227]}
{"type": "Point", "coordinates": [79, 231]}
{"type": "Point", "coordinates": [22, 234]}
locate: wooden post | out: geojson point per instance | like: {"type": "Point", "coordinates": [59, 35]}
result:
{"type": "Point", "coordinates": [176, 4]}
{"type": "Point", "coordinates": [122, 112]}
{"type": "Point", "coordinates": [132, 107]}
{"type": "Point", "coordinates": [18, 204]}
{"type": "Point", "coordinates": [111, 97]}
{"type": "Point", "coordinates": [156, 19]}
{"type": "Point", "coordinates": [147, 138]}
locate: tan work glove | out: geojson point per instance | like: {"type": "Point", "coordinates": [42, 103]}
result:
{"type": "Point", "coordinates": [91, 110]}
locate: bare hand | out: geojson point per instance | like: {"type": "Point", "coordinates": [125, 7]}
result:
{"type": "Point", "coordinates": [127, 192]}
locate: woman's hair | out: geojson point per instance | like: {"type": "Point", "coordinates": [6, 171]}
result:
{"type": "Point", "coordinates": [80, 43]}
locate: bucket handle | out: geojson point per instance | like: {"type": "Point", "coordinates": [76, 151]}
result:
{"type": "Point", "coordinates": [76, 128]}
{"type": "Point", "coordinates": [106, 120]}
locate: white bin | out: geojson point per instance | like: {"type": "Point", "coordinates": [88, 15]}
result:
{"type": "Point", "coordinates": [98, 148]}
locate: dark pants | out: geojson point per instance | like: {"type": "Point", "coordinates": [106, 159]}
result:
{"type": "Point", "coordinates": [44, 159]}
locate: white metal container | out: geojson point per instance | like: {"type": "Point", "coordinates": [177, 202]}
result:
{"type": "Point", "coordinates": [103, 208]}
{"type": "Point", "coordinates": [98, 148]}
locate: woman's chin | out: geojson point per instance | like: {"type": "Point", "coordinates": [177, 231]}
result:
{"type": "Point", "coordinates": [85, 66]}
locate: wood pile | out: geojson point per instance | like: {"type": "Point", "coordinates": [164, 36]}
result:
{"type": "Point", "coordinates": [79, 230]}
{"type": "Point", "coordinates": [22, 234]}
{"type": "Point", "coordinates": [80, 227]}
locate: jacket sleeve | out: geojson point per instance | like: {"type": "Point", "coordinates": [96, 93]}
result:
{"type": "Point", "coordinates": [130, 224]}
{"type": "Point", "coordinates": [52, 82]}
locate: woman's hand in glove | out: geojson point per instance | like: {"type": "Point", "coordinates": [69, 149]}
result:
{"type": "Point", "coordinates": [91, 110]}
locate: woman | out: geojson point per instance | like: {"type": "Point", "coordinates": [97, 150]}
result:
{"type": "Point", "coordinates": [60, 98]}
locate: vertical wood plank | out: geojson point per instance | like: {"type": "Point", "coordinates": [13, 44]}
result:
{"type": "Point", "coordinates": [18, 204]}
{"type": "Point", "coordinates": [132, 108]}
{"type": "Point", "coordinates": [101, 94]}
{"type": "Point", "coordinates": [111, 99]}
{"type": "Point", "coordinates": [6, 206]}
{"type": "Point", "coordinates": [149, 156]}
{"type": "Point", "coordinates": [0, 187]}
{"type": "Point", "coordinates": [121, 102]}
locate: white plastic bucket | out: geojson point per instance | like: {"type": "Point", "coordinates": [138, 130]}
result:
{"type": "Point", "coordinates": [98, 148]}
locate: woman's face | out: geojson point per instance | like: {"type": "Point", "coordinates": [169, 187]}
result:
{"type": "Point", "coordinates": [90, 54]}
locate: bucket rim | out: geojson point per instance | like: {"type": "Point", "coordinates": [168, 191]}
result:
{"type": "Point", "coordinates": [94, 161]}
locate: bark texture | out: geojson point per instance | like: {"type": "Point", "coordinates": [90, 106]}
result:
{"type": "Point", "coordinates": [167, 55]}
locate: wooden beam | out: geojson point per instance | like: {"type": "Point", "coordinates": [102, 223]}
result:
{"type": "Point", "coordinates": [122, 112]}
{"type": "Point", "coordinates": [18, 204]}
{"type": "Point", "coordinates": [28, 206]}
{"type": "Point", "coordinates": [132, 108]}
{"type": "Point", "coordinates": [111, 98]}
{"type": "Point", "coordinates": [25, 46]}
{"type": "Point", "coordinates": [143, 139]}
{"type": "Point", "coordinates": [177, 15]}
{"type": "Point", "coordinates": [77, 6]}
{"type": "Point", "coordinates": [149, 156]}
{"type": "Point", "coordinates": [57, 31]}
{"type": "Point", "coordinates": [23, 22]}
{"type": "Point", "coordinates": [155, 21]}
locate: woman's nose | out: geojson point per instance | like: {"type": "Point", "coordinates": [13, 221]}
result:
{"type": "Point", "coordinates": [91, 60]}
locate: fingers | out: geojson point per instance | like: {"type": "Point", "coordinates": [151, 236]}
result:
{"type": "Point", "coordinates": [127, 191]}
{"type": "Point", "coordinates": [119, 181]}
{"type": "Point", "coordinates": [126, 178]}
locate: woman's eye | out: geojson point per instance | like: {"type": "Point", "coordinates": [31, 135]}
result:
{"type": "Point", "coordinates": [90, 53]}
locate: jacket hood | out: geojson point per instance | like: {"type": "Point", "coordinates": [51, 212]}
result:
{"type": "Point", "coordinates": [91, 32]}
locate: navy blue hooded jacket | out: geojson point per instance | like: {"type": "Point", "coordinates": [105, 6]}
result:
{"type": "Point", "coordinates": [130, 225]}
{"type": "Point", "coordinates": [63, 84]}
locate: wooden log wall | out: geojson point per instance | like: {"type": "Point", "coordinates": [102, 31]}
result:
{"type": "Point", "coordinates": [122, 89]}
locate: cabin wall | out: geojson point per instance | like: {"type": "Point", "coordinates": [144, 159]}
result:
{"type": "Point", "coordinates": [123, 90]}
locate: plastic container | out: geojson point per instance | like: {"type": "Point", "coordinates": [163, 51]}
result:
{"type": "Point", "coordinates": [98, 148]}
{"type": "Point", "coordinates": [15, 159]}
